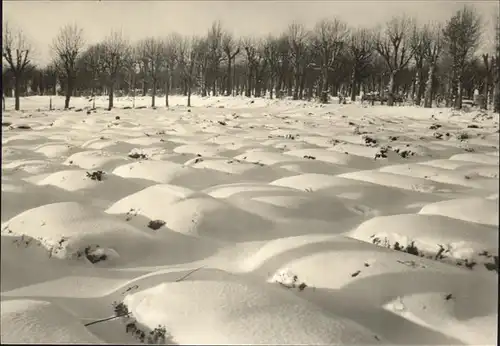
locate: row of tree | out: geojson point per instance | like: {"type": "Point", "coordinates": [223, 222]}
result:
{"type": "Point", "coordinates": [422, 62]}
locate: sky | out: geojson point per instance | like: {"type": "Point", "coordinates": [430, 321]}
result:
{"type": "Point", "coordinates": [41, 19]}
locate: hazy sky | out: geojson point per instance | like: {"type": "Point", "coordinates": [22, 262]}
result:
{"type": "Point", "coordinates": [41, 20]}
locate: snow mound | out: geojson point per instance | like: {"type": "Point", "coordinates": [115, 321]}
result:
{"type": "Point", "coordinates": [228, 190]}
{"type": "Point", "coordinates": [399, 181]}
{"type": "Point", "coordinates": [477, 158]}
{"type": "Point", "coordinates": [333, 157]}
{"type": "Point", "coordinates": [55, 150]}
{"type": "Point", "coordinates": [147, 202]}
{"type": "Point", "coordinates": [253, 171]}
{"type": "Point", "coordinates": [199, 149]}
{"type": "Point", "coordinates": [95, 160]}
{"type": "Point", "coordinates": [425, 235]}
{"type": "Point", "coordinates": [72, 230]}
{"type": "Point", "coordinates": [356, 149]}
{"type": "Point", "coordinates": [479, 210]}
{"type": "Point", "coordinates": [266, 157]}
{"type": "Point", "coordinates": [308, 182]}
{"type": "Point", "coordinates": [442, 175]}
{"type": "Point", "coordinates": [213, 218]}
{"type": "Point", "coordinates": [229, 312]}
{"type": "Point", "coordinates": [173, 173]}
{"type": "Point", "coordinates": [32, 166]}
{"type": "Point", "coordinates": [34, 322]}
{"type": "Point", "coordinates": [110, 188]}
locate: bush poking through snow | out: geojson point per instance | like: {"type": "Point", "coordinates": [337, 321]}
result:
{"type": "Point", "coordinates": [157, 336]}
{"type": "Point", "coordinates": [93, 253]}
{"type": "Point", "coordinates": [492, 266]}
{"type": "Point", "coordinates": [462, 136]}
{"type": "Point", "coordinates": [120, 309]}
{"type": "Point", "coordinates": [156, 224]}
{"type": "Point", "coordinates": [97, 175]}
{"type": "Point", "coordinates": [289, 280]}
{"type": "Point", "coordinates": [136, 155]}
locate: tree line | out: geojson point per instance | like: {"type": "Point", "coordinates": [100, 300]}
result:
{"type": "Point", "coordinates": [423, 63]}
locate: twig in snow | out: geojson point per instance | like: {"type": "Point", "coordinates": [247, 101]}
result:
{"type": "Point", "coordinates": [188, 274]}
{"type": "Point", "coordinates": [106, 319]}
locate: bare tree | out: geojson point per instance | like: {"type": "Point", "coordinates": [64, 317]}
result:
{"type": "Point", "coordinates": [215, 52]}
{"type": "Point", "coordinates": [419, 43]}
{"type": "Point", "coordinates": [116, 51]}
{"type": "Point", "coordinates": [496, 63]}
{"type": "Point", "coordinates": [251, 57]}
{"type": "Point", "coordinates": [92, 64]}
{"type": "Point", "coordinates": [461, 34]}
{"type": "Point", "coordinates": [433, 51]}
{"type": "Point", "coordinates": [67, 46]}
{"type": "Point", "coordinates": [16, 52]}
{"type": "Point", "coordinates": [171, 57]}
{"type": "Point", "coordinates": [360, 48]}
{"type": "Point", "coordinates": [189, 52]}
{"type": "Point", "coordinates": [394, 47]}
{"type": "Point", "coordinates": [231, 50]}
{"type": "Point", "coordinates": [329, 39]}
{"type": "Point", "coordinates": [153, 51]}
{"type": "Point", "coordinates": [298, 38]}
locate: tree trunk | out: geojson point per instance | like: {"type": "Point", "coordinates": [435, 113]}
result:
{"type": "Point", "coordinates": [271, 87]}
{"type": "Point", "coordinates": [324, 85]}
{"type": "Point", "coordinates": [167, 90]}
{"type": "Point", "coordinates": [69, 91]}
{"type": "Point", "coordinates": [17, 92]}
{"type": "Point", "coordinates": [486, 90]}
{"type": "Point", "coordinates": [418, 97]}
{"type": "Point", "coordinates": [428, 87]}
{"type": "Point", "coordinates": [111, 95]}
{"type": "Point", "coordinates": [302, 85]}
{"type": "Point", "coordinates": [392, 89]}
{"type": "Point", "coordinates": [458, 92]}
{"type": "Point", "coordinates": [249, 83]}
{"type": "Point", "coordinates": [353, 85]}
{"type": "Point", "coordinates": [289, 85]}
{"type": "Point", "coordinates": [189, 94]}
{"type": "Point", "coordinates": [296, 86]}
{"type": "Point", "coordinates": [228, 82]}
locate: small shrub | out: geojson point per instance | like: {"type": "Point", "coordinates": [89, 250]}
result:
{"type": "Point", "coordinates": [156, 224]}
{"type": "Point", "coordinates": [462, 136]}
{"type": "Point", "coordinates": [492, 266]}
{"type": "Point", "coordinates": [94, 257]}
{"type": "Point", "coordinates": [157, 335]}
{"type": "Point", "coordinates": [97, 175]}
{"type": "Point", "coordinates": [138, 156]}
{"type": "Point", "coordinates": [117, 117]}
{"type": "Point", "coordinates": [412, 249]}
{"type": "Point", "coordinates": [120, 309]}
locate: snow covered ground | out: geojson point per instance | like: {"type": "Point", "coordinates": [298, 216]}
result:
{"type": "Point", "coordinates": [248, 221]}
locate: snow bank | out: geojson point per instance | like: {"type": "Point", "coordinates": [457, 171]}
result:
{"type": "Point", "coordinates": [427, 234]}
{"type": "Point", "coordinates": [72, 230]}
{"type": "Point", "coordinates": [480, 210]}
{"type": "Point", "coordinates": [31, 321]}
{"type": "Point", "coordinates": [165, 172]}
{"type": "Point", "coordinates": [232, 312]}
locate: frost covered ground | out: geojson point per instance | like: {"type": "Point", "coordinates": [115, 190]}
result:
{"type": "Point", "coordinates": [248, 221]}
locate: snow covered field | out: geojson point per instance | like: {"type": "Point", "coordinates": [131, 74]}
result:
{"type": "Point", "coordinates": [248, 221]}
